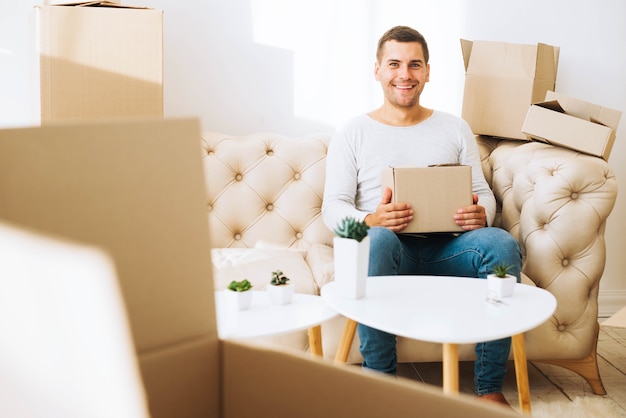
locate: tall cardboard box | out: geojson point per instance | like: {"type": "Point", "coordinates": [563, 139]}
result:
{"type": "Point", "coordinates": [99, 62]}
{"type": "Point", "coordinates": [572, 123]}
{"type": "Point", "coordinates": [136, 191]}
{"type": "Point", "coordinates": [501, 81]}
{"type": "Point", "coordinates": [435, 193]}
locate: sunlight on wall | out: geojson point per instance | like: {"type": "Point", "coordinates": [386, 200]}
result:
{"type": "Point", "coordinates": [334, 43]}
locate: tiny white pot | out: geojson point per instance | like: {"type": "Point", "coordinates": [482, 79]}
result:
{"type": "Point", "coordinates": [238, 301]}
{"type": "Point", "coordinates": [281, 294]}
{"type": "Point", "coordinates": [501, 287]}
{"type": "Point", "coordinates": [351, 259]}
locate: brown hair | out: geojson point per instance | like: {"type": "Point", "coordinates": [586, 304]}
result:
{"type": "Point", "coordinates": [401, 34]}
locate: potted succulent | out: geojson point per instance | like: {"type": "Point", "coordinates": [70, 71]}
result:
{"type": "Point", "coordinates": [280, 290]}
{"type": "Point", "coordinates": [238, 294]}
{"type": "Point", "coordinates": [500, 283]}
{"type": "Point", "coordinates": [351, 257]}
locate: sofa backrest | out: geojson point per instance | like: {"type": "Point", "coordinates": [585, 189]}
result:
{"type": "Point", "coordinates": [266, 190]}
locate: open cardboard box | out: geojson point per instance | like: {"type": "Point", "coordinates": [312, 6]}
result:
{"type": "Point", "coordinates": [135, 191]}
{"type": "Point", "coordinates": [501, 81]}
{"type": "Point", "coordinates": [98, 60]}
{"type": "Point", "coordinates": [573, 123]}
{"type": "Point", "coordinates": [435, 193]}
{"type": "Point", "coordinates": [617, 320]}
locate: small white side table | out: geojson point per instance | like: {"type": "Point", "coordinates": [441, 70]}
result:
{"type": "Point", "coordinates": [447, 310]}
{"type": "Point", "coordinates": [265, 319]}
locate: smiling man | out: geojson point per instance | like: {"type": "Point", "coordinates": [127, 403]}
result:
{"type": "Point", "coordinates": [401, 132]}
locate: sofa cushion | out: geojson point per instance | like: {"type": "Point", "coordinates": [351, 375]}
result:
{"type": "Point", "coordinates": [257, 265]}
{"type": "Point", "coordinates": [320, 258]}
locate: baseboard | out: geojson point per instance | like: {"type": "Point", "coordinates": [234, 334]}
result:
{"type": "Point", "coordinates": [610, 301]}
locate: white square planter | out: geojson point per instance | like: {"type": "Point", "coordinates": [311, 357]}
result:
{"type": "Point", "coordinates": [238, 301]}
{"type": "Point", "coordinates": [351, 259]}
{"type": "Point", "coordinates": [281, 294]}
{"type": "Point", "coordinates": [499, 288]}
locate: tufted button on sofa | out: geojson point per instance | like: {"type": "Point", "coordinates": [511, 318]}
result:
{"type": "Point", "coordinates": [264, 205]}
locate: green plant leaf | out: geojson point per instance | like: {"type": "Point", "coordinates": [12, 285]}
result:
{"type": "Point", "coordinates": [351, 228]}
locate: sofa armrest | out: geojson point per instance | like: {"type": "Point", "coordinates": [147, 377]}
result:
{"type": "Point", "coordinates": [555, 202]}
{"type": "Point", "coordinates": [320, 260]}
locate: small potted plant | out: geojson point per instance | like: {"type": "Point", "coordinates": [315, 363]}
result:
{"type": "Point", "coordinates": [500, 283]}
{"type": "Point", "coordinates": [351, 257]}
{"type": "Point", "coordinates": [280, 290]}
{"type": "Point", "coordinates": [239, 295]}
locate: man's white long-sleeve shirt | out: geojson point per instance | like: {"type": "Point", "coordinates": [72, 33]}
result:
{"type": "Point", "coordinates": [360, 149]}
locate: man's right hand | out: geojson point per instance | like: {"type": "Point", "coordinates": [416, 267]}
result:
{"type": "Point", "coordinates": [395, 216]}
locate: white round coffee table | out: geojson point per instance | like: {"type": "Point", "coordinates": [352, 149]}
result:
{"type": "Point", "coordinates": [447, 310]}
{"type": "Point", "coordinates": [265, 319]}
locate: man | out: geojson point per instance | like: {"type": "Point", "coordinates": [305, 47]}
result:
{"type": "Point", "coordinates": [404, 133]}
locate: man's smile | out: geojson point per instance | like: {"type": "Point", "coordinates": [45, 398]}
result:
{"type": "Point", "coordinates": [404, 86]}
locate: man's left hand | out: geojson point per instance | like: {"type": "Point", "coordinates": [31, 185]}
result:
{"type": "Point", "coordinates": [471, 217]}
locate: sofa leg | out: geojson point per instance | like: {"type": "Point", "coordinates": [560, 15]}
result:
{"type": "Point", "coordinates": [586, 367]}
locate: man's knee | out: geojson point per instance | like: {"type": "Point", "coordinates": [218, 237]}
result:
{"type": "Point", "coordinates": [381, 236]}
{"type": "Point", "coordinates": [505, 249]}
{"type": "Point", "coordinates": [499, 238]}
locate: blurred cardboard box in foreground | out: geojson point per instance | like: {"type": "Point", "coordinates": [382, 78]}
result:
{"type": "Point", "coordinates": [137, 191]}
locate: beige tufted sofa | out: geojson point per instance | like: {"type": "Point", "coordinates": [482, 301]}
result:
{"type": "Point", "coordinates": [264, 203]}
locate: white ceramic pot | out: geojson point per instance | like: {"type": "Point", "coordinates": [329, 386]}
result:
{"type": "Point", "coordinates": [499, 288]}
{"type": "Point", "coordinates": [281, 294]}
{"type": "Point", "coordinates": [351, 259]}
{"type": "Point", "coordinates": [238, 301]}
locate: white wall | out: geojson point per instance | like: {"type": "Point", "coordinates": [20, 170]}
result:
{"type": "Point", "coordinates": [300, 67]}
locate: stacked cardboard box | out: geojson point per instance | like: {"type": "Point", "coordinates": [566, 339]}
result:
{"type": "Point", "coordinates": [573, 123]}
{"type": "Point", "coordinates": [501, 81]}
{"type": "Point", "coordinates": [99, 60]}
{"type": "Point", "coordinates": [509, 93]}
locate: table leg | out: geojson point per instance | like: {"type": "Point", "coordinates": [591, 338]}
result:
{"type": "Point", "coordinates": [450, 368]}
{"type": "Point", "coordinates": [347, 336]}
{"type": "Point", "coordinates": [521, 373]}
{"type": "Point", "coordinates": [315, 341]}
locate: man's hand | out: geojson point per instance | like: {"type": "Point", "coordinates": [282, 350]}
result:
{"type": "Point", "coordinates": [394, 216]}
{"type": "Point", "coordinates": [471, 217]}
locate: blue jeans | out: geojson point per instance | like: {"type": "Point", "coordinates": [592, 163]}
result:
{"type": "Point", "coordinates": [471, 254]}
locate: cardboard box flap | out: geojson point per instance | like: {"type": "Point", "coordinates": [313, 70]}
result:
{"type": "Point", "coordinates": [100, 4]}
{"type": "Point", "coordinates": [446, 165]}
{"type": "Point", "coordinates": [547, 61]}
{"type": "Point", "coordinates": [500, 59]}
{"type": "Point", "coordinates": [551, 105]}
{"type": "Point", "coordinates": [309, 388]}
{"type": "Point", "coordinates": [585, 110]}
{"type": "Point", "coordinates": [466, 48]}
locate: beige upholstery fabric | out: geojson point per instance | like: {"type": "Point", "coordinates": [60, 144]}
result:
{"type": "Point", "coordinates": [556, 202]}
{"type": "Point", "coordinates": [266, 190]}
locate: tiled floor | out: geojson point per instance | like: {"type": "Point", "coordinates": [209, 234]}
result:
{"type": "Point", "coordinates": [548, 383]}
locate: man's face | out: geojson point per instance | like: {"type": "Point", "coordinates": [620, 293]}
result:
{"type": "Point", "coordinates": [402, 73]}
